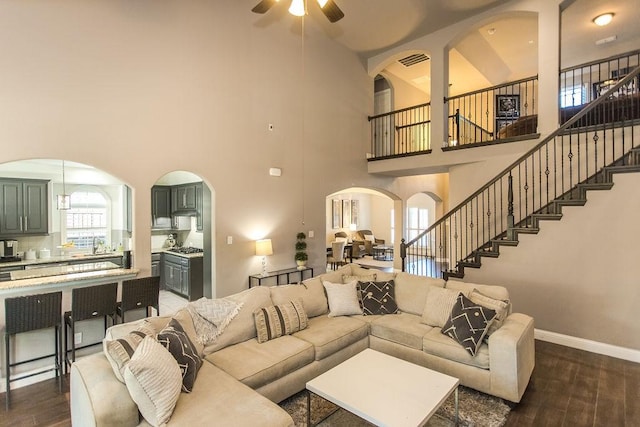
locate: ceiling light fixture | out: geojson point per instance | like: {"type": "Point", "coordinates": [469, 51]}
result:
{"type": "Point", "coordinates": [297, 8]}
{"type": "Point", "coordinates": [604, 19]}
{"type": "Point", "coordinates": [491, 31]}
{"type": "Point", "coordinates": [63, 200]}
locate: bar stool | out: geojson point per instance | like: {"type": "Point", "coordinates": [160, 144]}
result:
{"type": "Point", "coordinates": [143, 292]}
{"type": "Point", "coordinates": [31, 313]}
{"type": "Point", "coordinates": [88, 303]}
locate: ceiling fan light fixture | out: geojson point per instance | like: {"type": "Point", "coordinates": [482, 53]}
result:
{"type": "Point", "coordinates": [297, 8]}
{"type": "Point", "coordinates": [603, 19]}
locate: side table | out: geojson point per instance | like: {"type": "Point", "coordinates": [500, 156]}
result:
{"type": "Point", "coordinates": [257, 279]}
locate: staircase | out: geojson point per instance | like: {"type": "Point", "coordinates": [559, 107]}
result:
{"type": "Point", "coordinates": [583, 155]}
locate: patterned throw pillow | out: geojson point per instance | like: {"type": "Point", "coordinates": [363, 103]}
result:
{"type": "Point", "coordinates": [378, 297]}
{"type": "Point", "coordinates": [501, 307]}
{"type": "Point", "coordinates": [468, 323]}
{"type": "Point", "coordinates": [343, 298]}
{"type": "Point", "coordinates": [174, 339]}
{"type": "Point", "coordinates": [153, 381]}
{"type": "Point", "coordinates": [120, 351]}
{"type": "Point", "coordinates": [278, 320]}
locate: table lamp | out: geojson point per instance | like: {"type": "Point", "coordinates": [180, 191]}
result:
{"type": "Point", "coordinates": [264, 248]}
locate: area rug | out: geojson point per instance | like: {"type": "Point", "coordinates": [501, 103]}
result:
{"type": "Point", "coordinates": [475, 409]}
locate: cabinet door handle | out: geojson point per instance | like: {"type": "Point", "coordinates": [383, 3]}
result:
{"type": "Point", "coordinates": [184, 200]}
{"type": "Point", "coordinates": [21, 224]}
{"type": "Point", "coordinates": [26, 223]}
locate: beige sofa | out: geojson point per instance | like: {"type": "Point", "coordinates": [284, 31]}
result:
{"type": "Point", "coordinates": [241, 380]}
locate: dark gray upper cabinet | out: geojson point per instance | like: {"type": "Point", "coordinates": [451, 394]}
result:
{"type": "Point", "coordinates": [183, 198]}
{"type": "Point", "coordinates": [199, 208]}
{"type": "Point", "coordinates": [161, 207]}
{"type": "Point", "coordinates": [24, 207]}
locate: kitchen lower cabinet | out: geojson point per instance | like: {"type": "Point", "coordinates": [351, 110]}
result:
{"type": "Point", "coordinates": [182, 275]}
{"type": "Point", "coordinates": [155, 265]}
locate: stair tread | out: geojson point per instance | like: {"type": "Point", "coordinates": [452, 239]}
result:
{"type": "Point", "coordinates": [505, 242]}
{"type": "Point", "coordinates": [527, 230]}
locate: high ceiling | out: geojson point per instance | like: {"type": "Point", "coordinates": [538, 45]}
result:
{"type": "Point", "coordinates": [373, 26]}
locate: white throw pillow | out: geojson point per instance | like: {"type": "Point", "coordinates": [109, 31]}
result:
{"type": "Point", "coordinates": [500, 307]}
{"type": "Point", "coordinates": [438, 306]}
{"type": "Point", "coordinates": [342, 239]}
{"type": "Point", "coordinates": [343, 298]}
{"type": "Point", "coordinates": [154, 381]}
{"type": "Point", "coordinates": [370, 238]}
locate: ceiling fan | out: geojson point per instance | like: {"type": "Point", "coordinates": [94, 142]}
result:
{"type": "Point", "coordinates": [299, 8]}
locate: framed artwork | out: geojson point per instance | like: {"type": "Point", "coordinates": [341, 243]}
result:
{"type": "Point", "coordinates": [355, 206]}
{"type": "Point", "coordinates": [600, 88]}
{"type": "Point", "coordinates": [346, 213]}
{"type": "Point", "coordinates": [336, 213]}
{"type": "Point", "coordinates": [507, 105]}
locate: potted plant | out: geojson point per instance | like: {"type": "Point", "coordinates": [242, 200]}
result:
{"type": "Point", "coordinates": [301, 256]}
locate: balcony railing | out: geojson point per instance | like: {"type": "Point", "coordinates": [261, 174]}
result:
{"type": "Point", "coordinates": [401, 132]}
{"type": "Point", "coordinates": [492, 114]}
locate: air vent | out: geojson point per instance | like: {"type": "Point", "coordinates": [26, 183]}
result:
{"type": "Point", "coordinates": [413, 59]}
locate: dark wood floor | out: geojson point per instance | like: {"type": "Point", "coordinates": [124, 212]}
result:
{"type": "Point", "coordinates": [569, 388]}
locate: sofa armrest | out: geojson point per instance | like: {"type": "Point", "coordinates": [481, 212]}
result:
{"type": "Point", "coordinates": [98, 399]}
{"type": "Point", "coordinates": [379, 241]}
{"type": "Point", "coordinates": [512, 356]}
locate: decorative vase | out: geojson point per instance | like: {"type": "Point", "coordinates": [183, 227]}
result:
{"type": "Point", "coordinates": [301, 265]}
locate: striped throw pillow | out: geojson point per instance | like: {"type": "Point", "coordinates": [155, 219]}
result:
{"type": "Point", "coordinates": [278, 320]}
{"type": "Point", "coordinates": [120, 351]}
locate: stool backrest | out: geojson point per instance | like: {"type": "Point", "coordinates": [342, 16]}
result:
{"type": "Point", "coordinates": [140, 293]}
{"type": "Point", "coordinates": [94, 301]}
{"type": "Point", "coordinates": [33, 312]}
{"type": "Point", "coordinates": [337, 251]}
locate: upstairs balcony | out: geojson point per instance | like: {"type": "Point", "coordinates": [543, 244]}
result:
{"type": "Point", "coordinates": [498, 120]}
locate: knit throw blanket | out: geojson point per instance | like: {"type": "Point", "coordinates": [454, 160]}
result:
{"type": "Point", "coordinates": [211, 317]}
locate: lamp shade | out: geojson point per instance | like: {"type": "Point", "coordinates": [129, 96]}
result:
{"type": "Point", "coordinates": [297, 8]}
{"type": "Point", "coordinates": [263, 247]}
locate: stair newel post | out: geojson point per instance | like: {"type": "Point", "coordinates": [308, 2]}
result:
{"type": "Point", "coordinates": [458, 126]}
{"type": "Point", "coordinates": [403, 253]}
{"type": "Point", "coordinates": [510, 220]}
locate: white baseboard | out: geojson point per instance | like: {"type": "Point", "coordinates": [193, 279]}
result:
{"type": "Point", "coordinates": [588, 345]}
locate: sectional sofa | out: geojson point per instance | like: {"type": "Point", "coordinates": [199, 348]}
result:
{"type": "Point", "coordinates": [241, 379]}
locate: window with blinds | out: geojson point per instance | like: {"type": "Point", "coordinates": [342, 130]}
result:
{"type": "Point", "coordinates": [87, 220]}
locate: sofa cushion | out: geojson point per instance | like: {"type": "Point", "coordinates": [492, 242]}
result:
{"type": "Point", "coordinates": [310, 291]}
{"type": "Point", "coordinates": [119, 351]}
{"type": "Point", "coordinates": [383, 276]}
{"type": "Point", "coordinates": [437, 344]}
{"type": "Point", "coordinates": [347, 278]}
{"type": "Point", "coordinates": [403, 328]}
{"type": "Point", "coordinates": [343, 298]}
{"type": "Point", "coordinates": [378, 297]}
{"type": "Point", "coordinates": [438, 306]}
{"type": "Point", "coordinates": [176, 341]}
{"type": "Point", "coordinates": [278, 320]}
{"type": "Point", "coordinates": [502, 308]}
{"type": "Point", "coordinates": [219, 399]}
{"type": "Point", "coordinates": [257, 364]}
{"type": "Point", "coordinates": [243, 326]}
{"type": "Point", "coordinates": [411, 291]}
{"type": "Point", "coordinates": [330, 334]}
{"type": "Point", "coordinates": [496, 292]}
{"type": "Point", "coordinates": [154, 381]}
{"type": "Point", "coordinates": [335, 276]}
{"type": "Point", "coordinates": [468, 323]}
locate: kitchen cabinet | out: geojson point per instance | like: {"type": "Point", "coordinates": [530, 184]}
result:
{"type": "Point", "coordinates": [182, 275]}
{"type": "Point", "coordinates": [155, 265]}
{"type": "Point", "coordinates": [199, 208]}
{"type": "Point", "coordinates": [24, 207]}
{"type": "Point", "coordinates": [183, 198]}
{"type": "Point", "coordinates": [161, 207]}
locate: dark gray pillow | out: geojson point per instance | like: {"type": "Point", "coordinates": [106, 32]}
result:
{"type": "Point", "coordinates": [468, 323]}
{"type": "Point", "coordinates": [174, 338]}
{"type": "Point", "coordinates": [378, 297]}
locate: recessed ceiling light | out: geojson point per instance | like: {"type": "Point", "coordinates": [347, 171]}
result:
{"type": "Point", "coordinates": [491, 31]}
{"type": "Point", "coordinates": [604, 19]}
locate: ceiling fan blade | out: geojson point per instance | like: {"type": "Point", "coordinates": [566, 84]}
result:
{"type": "Point", "coordinates": [332, 11]}
{"type": "Point", "coordinates": [263, 6]}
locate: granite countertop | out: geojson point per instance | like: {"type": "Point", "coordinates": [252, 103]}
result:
{"type": "Point", "coordinates": [61, 259]}
{"type": "Point", "coordinates": [68, 278]}
{"type": "Point", "coordinates": [167, 251]}
{"type": "Point", "coordinates": [60, 270]}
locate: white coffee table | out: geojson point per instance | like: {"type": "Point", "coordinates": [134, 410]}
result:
{"type": "Point", "coordinates": [385, 390]}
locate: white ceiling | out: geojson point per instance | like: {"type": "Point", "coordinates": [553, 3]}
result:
{"type": "Point", "coordinates": [373, 26]}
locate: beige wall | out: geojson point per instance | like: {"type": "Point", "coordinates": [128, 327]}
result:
{"type": "Point", "coordinates": [579, 276]}
{"type": "Point", "coordinates": [139, 89]}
